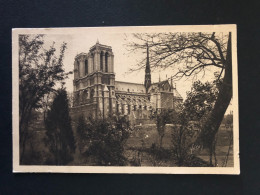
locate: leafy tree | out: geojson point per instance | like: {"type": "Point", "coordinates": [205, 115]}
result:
{"type": "Point", "coordinates": [106, 138]}
{"type": "Point", "coordinates": [59, 134]}
{"type": "Point", "coordinates": [39, 71]}
{"type": "Point", "coordinates": [190, 54]}
{"type": "Point", "coordinates": [200, 101]}
{"type": "Point", "coordinates": [196, 108]}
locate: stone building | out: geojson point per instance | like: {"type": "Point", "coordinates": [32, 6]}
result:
{"type": "Point", "coordinates": [98, 94]}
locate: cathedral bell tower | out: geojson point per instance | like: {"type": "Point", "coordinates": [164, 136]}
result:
{"type": "Point", "coordinates": [94, 81]}
{"type": "Point", "coordinates": [147, 79]}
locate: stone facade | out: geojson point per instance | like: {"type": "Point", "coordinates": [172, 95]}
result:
{"type": "Point", "coordinates": [97, 94]}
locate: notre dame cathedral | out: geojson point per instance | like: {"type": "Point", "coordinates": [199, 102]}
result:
{"type": "Point", "coordinates": [97, 93]}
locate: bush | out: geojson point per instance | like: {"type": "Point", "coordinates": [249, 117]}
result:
{"type": "Point", "coordinates": [182, 141]}
{"type": "Point", "coordinates": [105, 140]}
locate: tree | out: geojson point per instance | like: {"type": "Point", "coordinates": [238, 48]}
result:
{"type": "Point", "coordinates": [106, 138]}
{"type": "Point", "coordinates": [200, 101]}
{"type": "Point", "coordinates": [162, 117]}
{"type": "Point", "coordinates": [39, 72]}
{"type": "Point", "coordinates": [82, 135]}
{"type": "Point", "coordinates": [59, 134]}
{"type": "Point", "coordinates": [190, 54]}
{"type": "Point", "coordinates": [196, 108]}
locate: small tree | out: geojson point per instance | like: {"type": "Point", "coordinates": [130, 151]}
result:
{"type": "Point", "coordinates": [106, 139]}
{"type": "Point", "coordinates": [59, 134]}
{"type": "Point", "coordinates": [182, 141]}
{"type": "Point", "coordinates": [163, 117]}
{"type": "Point", "coordinates": [81, 134]}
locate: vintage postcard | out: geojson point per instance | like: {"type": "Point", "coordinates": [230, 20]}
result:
{"type": "Point", "coordinates": [146, 99]}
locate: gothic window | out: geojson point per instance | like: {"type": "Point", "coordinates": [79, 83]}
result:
{"type": "Point", "coordinates": [93, 60]}
{"type": "Point", "coordinates": [129, 108]}
{"type": "Point", "coordinates": [101, 60]}
{"type": "Point", "coordinates": [86, 67]}
{"type": "Point", "coordinates": [122, 109]}
{"type": "Point", "coordinates": [106, 62]}
{"type": "Point", "coordinates": [134, 107]}
{"type": "Point", "coordinates": [128, 90]}
{"type": "Point", "coordinates": [91, 81]}
{"type": "Point", "coordinates": [92, 93]}
{"type": "Point", "coordinates": [117, 108]}
{"type": "Point", "coordinates": [105, 80]}
{"type": "Point", "coordinates": [78, 68]}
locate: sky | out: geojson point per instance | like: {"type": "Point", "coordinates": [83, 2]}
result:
{"type": "Point", "coordinates": [123, 60]}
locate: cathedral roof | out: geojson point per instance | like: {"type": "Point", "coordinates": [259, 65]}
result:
{"type": "Point", "coordinates": [176, 94]}
{"type": "Point", "coordinates": [165, 85]}
{"type": "Point", "coordinates": [129, 87]}
{"type": "Point", "coordinates": [161, 84]}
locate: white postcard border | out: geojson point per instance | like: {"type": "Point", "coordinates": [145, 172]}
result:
{"type": "Point", "coordinates": [138, 170]}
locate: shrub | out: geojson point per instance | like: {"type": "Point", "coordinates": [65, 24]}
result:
{"type": "Point", "coordinates": [106, 138]}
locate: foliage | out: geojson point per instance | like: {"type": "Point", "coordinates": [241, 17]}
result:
{"type": "Point", "coordinates": [200, 101]}
{"type": "Point", "coordinates": [39, 72]}
{"type": "Point", "coordinates": [163, 117]}
{"type": "Point", "coordinates": [105, 139]}
{"type": "Point", "coordinates": [158, 155]}
{"type": "Point", "coordinates": [196, 108]}
{"type": "Point", "coordinates": [82, 135]}
{"type": "Point", "coordinates": [59, 132]}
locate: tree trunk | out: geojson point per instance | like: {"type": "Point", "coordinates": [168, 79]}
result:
{"type": "Point", "coordinates": [161, 140]}
{"type": "Point", "coordinates": [211, 126]}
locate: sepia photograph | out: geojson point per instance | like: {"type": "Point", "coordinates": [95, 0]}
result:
{"type": "Point", "coordinates": [146, 99]}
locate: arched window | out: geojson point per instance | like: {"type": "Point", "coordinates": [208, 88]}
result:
{"type": "Point", "coordinates": [92, 94]}
{"type": "Point", "coordinates": [106, 62]}
{"type": "Point", "coordinates": [117, 108]}
{"type": "Point", "coordinates": [129, 108]}
{"type": "Point", "coordinates": [101, 60]}
{"type": "Point", "coordinates": [93, 61]}
{"type": "Point", "coordinates": [86, 67]}
{"type": "Point", "coordinates": [122, 108]}
{"type": "Point", "coordinates": [78, 68]}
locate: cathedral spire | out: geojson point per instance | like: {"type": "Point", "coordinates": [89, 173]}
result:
{"type": "Point", "coordinates": [147, 79]}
